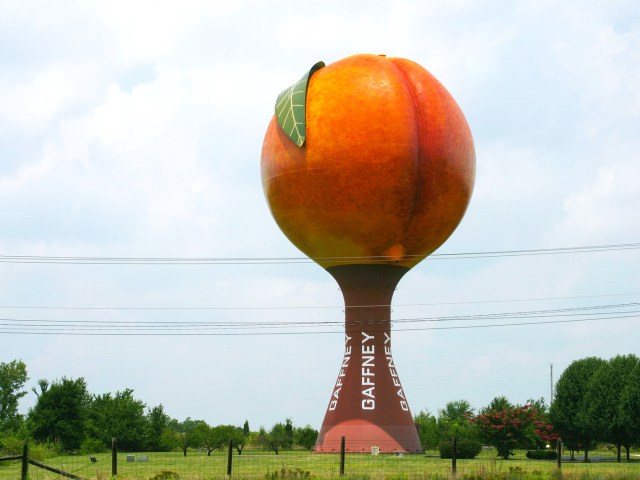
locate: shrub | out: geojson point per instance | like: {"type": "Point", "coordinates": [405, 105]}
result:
{"type": "Point", "coordinates": [92, 445]}
{"type": "Point", "coordinates": [295, 474]}
{"type": "Point", "coordinates": [466, 448]}
{"type": "Point", "coordinates": [166, 475]}
{"type": "Point", "coordinates": [542, 454]}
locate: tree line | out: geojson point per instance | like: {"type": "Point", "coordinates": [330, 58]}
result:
{"type": "Point", "coordinates": [596, 401]}
{"type": "Point", "coordinates": [68, 418]}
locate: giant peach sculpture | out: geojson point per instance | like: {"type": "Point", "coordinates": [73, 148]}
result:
{"type": "Point", "coordinates": [368, 166]}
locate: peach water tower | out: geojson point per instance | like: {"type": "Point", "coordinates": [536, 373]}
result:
{"type": "Point", "coordinates": [368, 166]}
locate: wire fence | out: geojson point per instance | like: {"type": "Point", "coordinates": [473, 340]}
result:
{"type": "Point", "coordinates": [260, 464]}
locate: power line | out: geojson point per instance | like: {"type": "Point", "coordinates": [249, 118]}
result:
{"type": "Point", "coordinates": [39, 259]}
{"type": "Point", "coordinates": [186, 328]}
{"type": "Point", "coordinates": [75, 332]}
{"type": "Point", "coordinates": [312, 307]}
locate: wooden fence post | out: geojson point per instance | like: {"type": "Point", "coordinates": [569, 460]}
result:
{"type": "Point", "coordinates": [25, 460]}
{"type": "Point", "coordinates": [342, 452]}
{"type": "Point", "coordinates": [114, 456]}
{"type": "Point", "coordinates": [454, 456]}
{"type": "Point", "coordinates": [559, 450]}
{"type": "Point", "coordinates": [230, 457]}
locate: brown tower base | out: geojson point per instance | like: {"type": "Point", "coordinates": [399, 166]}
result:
{"type": "Point", "coordinates": [368, 405]}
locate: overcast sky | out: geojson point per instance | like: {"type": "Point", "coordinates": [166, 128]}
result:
{"type": "Point", "coordinates": [134, 129]}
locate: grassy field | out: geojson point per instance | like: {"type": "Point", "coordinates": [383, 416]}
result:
{"type": "Point", "coordinates": [300, 465]}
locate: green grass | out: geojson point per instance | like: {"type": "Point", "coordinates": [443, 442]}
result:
{"type": "Point", "coordinates": [301, 465]}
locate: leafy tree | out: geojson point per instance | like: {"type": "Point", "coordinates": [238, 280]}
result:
{"type": "Point", "coordinates": [507, 426]}
{"type": "Point", "coordinates": [239, 438]}
{"type": "Point", "coordinates": [428, 432]}
{"type": "Point", "coordinates": [13, 376]}
{"type": "Point", "coordinates": [453, 421]}
{"type": "Point", "coordinates": [305, 437]}
{"type": "Point", "coordinates": [156, 422]}
{"type": "Point", "coordinates": [206, 436]}
{"type": "Point", "coordinates": [60, 413]}
{"type": "Point", "coordinates": [288, 428]}
{"type": "Point", "coordinates": [277, 438]}
{"type": "Point", "coordinates": [604, 401]}
{"type": "Point", "coordinates": [569, 412]}
{"type": "Point", "coordinates": [245, 428]}
{"type": "Point", "coordinates": [120, 416]}
{"type": "Point", "coordinates": [181, 435]}
{"type": "Point", "coordinates": [214, 438]}
{"type": "Point", "coordinates": [630, 406]}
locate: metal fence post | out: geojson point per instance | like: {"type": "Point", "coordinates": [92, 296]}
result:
{"type": "Point", "coordinates": [230, 457]}
{"type": "Point", "coordinates": [342, 451]}
{"type": "Point", "coordinates": [114, 456]}
{"type": "Point", "coordinates": [25, 460]}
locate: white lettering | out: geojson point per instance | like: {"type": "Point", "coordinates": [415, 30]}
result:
{"type": "Point", "coordinates": [392, 371]}
{"type": "Point", "coordinates": [368, 404]}
{"type": "Point", "coordinates": [366, 372]}
{"type": "Point", "coordinates": [333, 404]}
{"type": "Point", "coordinates": [368, 392]}
{"type": "Point", "coordinates": [368, 349]}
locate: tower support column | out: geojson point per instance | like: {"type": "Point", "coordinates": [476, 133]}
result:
{"type": "Point", "coordinates": [368, 405]}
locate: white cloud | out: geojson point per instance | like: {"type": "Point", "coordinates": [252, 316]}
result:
{"type": "Point", "coordinates": [136, 129]}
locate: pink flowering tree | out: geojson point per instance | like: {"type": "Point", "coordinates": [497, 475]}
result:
{"type": "Point", "coordinates": [508, 427]}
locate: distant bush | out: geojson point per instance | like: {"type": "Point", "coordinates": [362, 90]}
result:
{"type": "Point", "coordinates": [92, 445]}
{"type": "Point", "coordinates": [296, 474]}
{"type": "Point", "coordinates": [542, 454]}
{"type": "Point", "coordinates": [13, 445]}
{"type": "Point", "coordinates": [466, 448]}
{"type": "Point", "coordinates": [166, 475]}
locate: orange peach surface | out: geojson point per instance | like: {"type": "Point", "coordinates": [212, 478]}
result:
{"type": "Point", "coordinates": [387, 169]}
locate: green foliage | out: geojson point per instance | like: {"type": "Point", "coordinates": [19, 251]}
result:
{"type": "Point", "coordinates": [166, 475]}
{"type": "Point", "coordinates": [13, 445]}
{"type": "Point", "coordinates": [92, 445]}
{"type": "Point", "coordinates": [542, 454]}
{"type": "Point", "coordinates": [508, 427]}
{"type": "Point", "coordinates": [465, 448]}
{"type": "Point", "coordinates": [569, 412]}
{"type": "Point", "coordinates": [156, 422]}
{"type": "Point", "coordinates": [603, 400]}
{"type": "Point", "coordinates": [453, 421]}
{"type": "Point", "coordinates": [120, 416]}
{"type": "Point", "coordinates": [305, 437]}
{"type": "Point", "coordinates": [396, 476]}
{"type": "Point", "coordinates": [181, 435]}
{"type": "Point", "coordinates": [279, 437]}
{"type": "Point", "coordinates": [428, 432]}
{"type": "Point", "coordinates": [287, 474]}
{"type": "Point", "coordinates": [60, 413]}
{"type": "Point", "coordinates": [13, 376]}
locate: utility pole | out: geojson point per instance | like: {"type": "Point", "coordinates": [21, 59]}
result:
{"type": "Point", "coordinates": [551, 385]}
